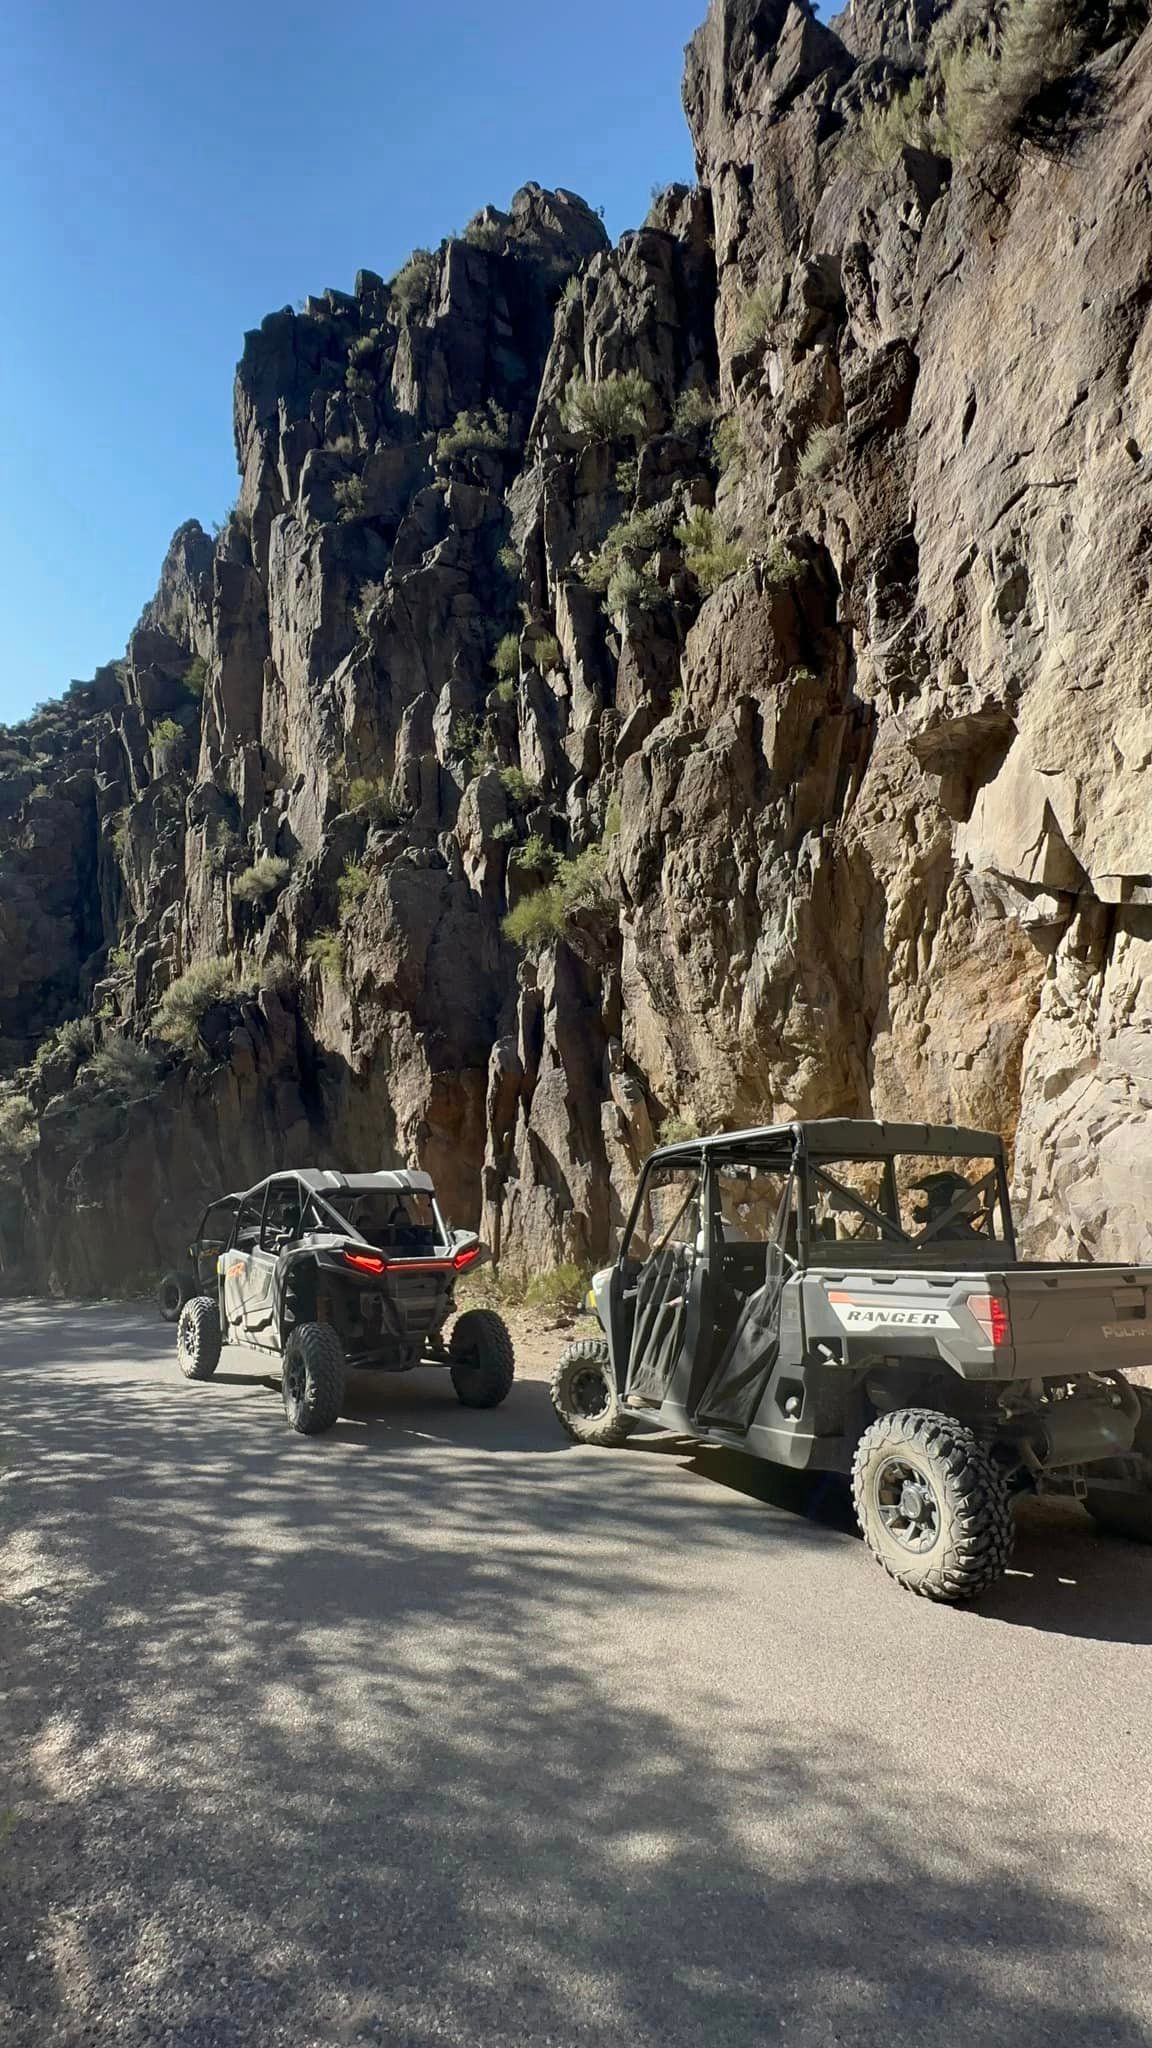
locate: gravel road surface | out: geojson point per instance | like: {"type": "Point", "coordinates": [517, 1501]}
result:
{"type": "Point", "coordinates": [440, 1730]}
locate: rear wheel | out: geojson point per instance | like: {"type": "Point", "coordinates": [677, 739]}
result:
{"type": "Point", "coordinates": [933, 1508]}
{"type": "Point", "coordinates": [481, 1359]}
{"type": "Point", "coordinates": [583, 1390]}
{"type": "Point", "coordinates": [312, 1380]}
{"type": "Point", "coordinates": [198, 1338]}
{"type": "Point", "coordinates": [172, 1293]}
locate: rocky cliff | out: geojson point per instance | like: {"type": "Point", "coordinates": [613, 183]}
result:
{"type": "Point", "coordinates": [701, 679]}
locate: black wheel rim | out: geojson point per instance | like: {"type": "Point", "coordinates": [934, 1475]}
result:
{"type": "Point", "coordinates": [588, 1392]}
{"type": "Point", "coordinates": [295, 1383]}
{"type": "Point", "coordinates": [907, 1505]}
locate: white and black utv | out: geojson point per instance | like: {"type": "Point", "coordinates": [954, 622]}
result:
{"type": "Point", "coordinates": [333, 1271]}
{"type": "Point", "coordinates": [843, 1296]}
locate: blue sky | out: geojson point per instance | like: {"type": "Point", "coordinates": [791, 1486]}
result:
{"type": "Point", "coordinates": [169, 175]}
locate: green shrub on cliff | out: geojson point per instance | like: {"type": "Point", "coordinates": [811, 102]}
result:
{"type": "Point", "coordinates": [579, 884]}
{"type": "Point", "coordinates": [707, 554]}
{"type": "Point", "coordinates": [188, 999]}
{"type": "Point", "coordinates": [412, 284]}
{"type": "Point", "coordinates": [196, 676]}
{"type": "Point", "coordinates": [263, 878]}
{"type": "Point", "coordinates": [19, 1131]}
{"type": "Point", "coordinates": [485, 427]}
{"type": "Point", "coordinates": [506, 660]}
{"type": "Point", "coordinates": [353, 886]}
{"type": "Point", "coordinates": [613, 408]}
{"type": "Point", "coordinates": [327, 950]}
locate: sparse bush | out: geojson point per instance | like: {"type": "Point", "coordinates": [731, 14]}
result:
{"type": "Point", "coordinates": [757, 317]}
{"type": "Point", "coordinates": [627, 476]}
{"type": "Point", "coordinates": [572, 291]}
{"type": "Point", "coordinates": [19, 1131]}
{"type": "Point", "coordinates": [353, 886]}
{"type": "Point", "coordinates": [611, 409]}
{"type": "Point", "coordinates": [122, 835]}
{"type": "Point", "coordinates": [120, 960]}
{"type": "Point", "coordinates": [357, 382]}
{"type": "Point", "coordinates": [693, 409]}
{"type": "Point", "coordinates": [728, 446]}
{"type": "Point", "coordinates": [166, 733]}
{"type": "Point", "coordinates": [189, 998]}
{"type": "Point", "coordinates": [707, 554]}
{"type": "Point", "coordinates": [509, 560]}
{"type": "Point", "coordinates": [373, 793]}
{"type": "Point", "coordinates": [822, 451]}
{"type": "Point", "coordinates": [349, 494]}
{"type": "Point", "coordinates": [612, 818]}
{"type": "Point", "coordinates": [75, 1037]}
{"type": "Point", "coordinates": [327, 950]}
{"type": "Point", "coordinates": [640, 532]}
{"type": "Point", "coordinates": [563, 1287]}
{"type": "Point", "coordinates": [904, 123]}
{"type": "Point", "coordinates": [196, 676]}
{"type": "Point", "coordinates": [676, 1130]}
{"type": "Point", "coordinates": [536, 854]}
{"type": "Point", "coordinates": [371, 595]}
{"type": "Point", "coordinates": [633, 589]}
{"type": "Point", "coordinates": [277, 976]}
{"type": "Point", "coordinates": [778, 563]}
{"type": "Point", "coordinates": [579, 884]}
{"type": "Point", "coordinates": [546, 653]}
{"type": "Point", "coordinates": [263, 878]}
{"type": "Point", "coordinates": [413, 283]}
{"type": "Point", "coordinates": [485, 427]}
{"type": "Point", "coordinates": [485, 234]}
{"type": "Point", "coordinates": [506, 660]}
{"type": "Point", "coordinates": [518, 786]}
{"type": "Point", "coordinates": [503, 832]}
{"type": "Point", "coordinates": [365, 345]}
{"type": "Point", "coordinates": [505, 692]}
{"type": "Point", "coordinates": [123, 1067]}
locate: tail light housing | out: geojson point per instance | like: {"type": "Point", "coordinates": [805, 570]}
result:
{"type": "Point", "coordinates": [366, 1262]}
{"type": "Point", "coordinates": [991, 1313]}
{"type": "Point", "coordinates": [376, 1264]}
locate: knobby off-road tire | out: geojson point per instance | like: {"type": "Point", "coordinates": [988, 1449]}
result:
{"type": "Point", "coordinates": [584, 1395]}
{"type": "Point", "coordinates": [198, 1338]}
{"type": "Point", "coordinates": [483, 1363]}
{"type": "Point", "coordinates": [312, 1379]}
{"type": "Point", "coordinates": [171, 1295]}
{"type": "Point", "coordinates": [933, 1508]}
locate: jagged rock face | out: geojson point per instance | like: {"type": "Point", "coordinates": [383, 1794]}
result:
{"type": "Point", "coordinates": [862, 829]}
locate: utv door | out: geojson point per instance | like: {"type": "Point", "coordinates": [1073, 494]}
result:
{"type": "Point", "coordinates": [753, 1235]}
{"type": "Point", "coordinates": [249, 1277]}
{"type": "Point", "coordinates": [658, 1275]}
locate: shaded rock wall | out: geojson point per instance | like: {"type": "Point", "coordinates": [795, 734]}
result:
{"type": "Point", "coordinates": [862, 818]}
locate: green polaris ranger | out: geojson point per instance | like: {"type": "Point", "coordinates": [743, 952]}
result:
{"type": "Point", "coordinates": [843, 1296]}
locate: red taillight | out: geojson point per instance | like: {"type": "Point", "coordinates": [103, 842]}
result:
{"type": "Point", "coordinates": [465, 1257]}
{"type": "Point", "coordinates": [366, 1262]}
{"type": "Point", "coordinates": [992, 1315]}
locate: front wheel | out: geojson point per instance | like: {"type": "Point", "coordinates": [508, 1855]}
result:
{"type": "Point", "coordinates": [172, 1293]}
{"type": "Point", "coordinates": [481, 1359]}
{"type": "Point", "coordinates": [583, 1390]}
{"type": "Point", "coordinates": [933, 1508]}
{"type": "Point", "coordinates": [312, 1381]}
{"type": "Point", "coordinates": [198, 1338]}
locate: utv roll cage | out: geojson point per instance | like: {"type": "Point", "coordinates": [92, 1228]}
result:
{"type": "Point", "coordinates": [797, 1150]}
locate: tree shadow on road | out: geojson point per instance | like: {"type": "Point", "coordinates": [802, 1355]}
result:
{"type": "Point", "coordinates": [307, 1746]}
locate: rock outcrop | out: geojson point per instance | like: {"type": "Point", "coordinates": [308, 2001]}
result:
{"type": "Point", "coordinates": [756, 609]}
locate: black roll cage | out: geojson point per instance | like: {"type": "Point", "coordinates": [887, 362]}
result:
{"type": "Point", "coordinates": [800, 1165]}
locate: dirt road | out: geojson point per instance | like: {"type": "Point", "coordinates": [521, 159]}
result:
{"type": "Point", "coordinates": [439, 1730]}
